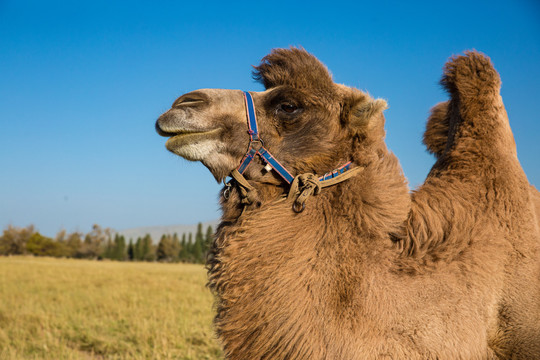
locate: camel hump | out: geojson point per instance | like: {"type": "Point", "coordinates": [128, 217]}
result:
{"type": "Point", "coordinates": [476, 106]}
{"type": "Point", "coordinates": [437, 127]}
{"type": "Point", "coordinates": [471, 75]}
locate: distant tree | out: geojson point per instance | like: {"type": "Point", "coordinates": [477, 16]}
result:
{"type": "Point", "coordinates": [131, 250]}
{"type": "Point", "coordinates": [61, 240]}
{"type": "Point", "coordinates": [119, 248]}
{"type": "Point", "coordinates": [208, 238]}
{"type": "Point", "coordinates": [165, 249]}
{"type": "Point", "coordinates": [198, 246]}
{"type": "Point", "coordinates": [199, 234]}
{"type": "Point", "coordinates": [148, 251]}
{"type": "Point", "coordinates": [40, 245]}
{"type": "Point", "coordinates": [190, 247]}
{"type": "Point", "coordinates": [95, 242]}
{"type": "Point", "coordinates": [197, 252]}
{"type": "Point", "coordinates": [13, 240]}
{"type": "Point", "coordinates": [73, 245]}
{"type": "Point", "coordinates": [183, 254]}
{"type": "Point", "coordinates": [108, 252]}
{"type": "Point", "coordinates": [61, 236]}
{"type": "Point", "coordinates": [175, 247]}
{"type": "Point", "coordinates": [138, 254]}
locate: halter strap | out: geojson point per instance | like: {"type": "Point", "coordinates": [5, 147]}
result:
{"type": "Point", "coordinates": [302, 186]}
{"type": "Point", "coordinates": [251, 117]}
{"type": "Point", "coordinates": [256, 145]}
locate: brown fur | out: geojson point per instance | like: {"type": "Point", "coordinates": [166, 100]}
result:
{"type": "Point", "coordinates": [369, 270]}
{"type": "Point", "coordinates": [436, 134]}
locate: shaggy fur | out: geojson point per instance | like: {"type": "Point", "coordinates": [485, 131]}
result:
{"type": "Point", "coordinates": [436, 134]}
{"type": "Point", "coordinates": [370, 270]}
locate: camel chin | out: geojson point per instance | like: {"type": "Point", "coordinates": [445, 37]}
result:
{"type": "Point", "coordinates": [194, 146]}
{"type": "Point", "coordinates": [206, 148]}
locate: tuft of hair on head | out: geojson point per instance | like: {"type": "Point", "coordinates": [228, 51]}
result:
{"type": "Point", "coordinates": [367, 116]}
{"type": "Point", "coordinates": [294, 67]}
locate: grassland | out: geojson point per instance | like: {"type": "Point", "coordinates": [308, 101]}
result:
{"type": "Point", "coordinates": [78, 309]}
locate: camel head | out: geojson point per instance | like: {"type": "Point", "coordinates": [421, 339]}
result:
{"type": "Point", "coordinates": [307, 122]}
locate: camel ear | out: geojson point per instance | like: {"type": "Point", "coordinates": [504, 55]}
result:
{"type": "Point", "coordinates": [367, 116]}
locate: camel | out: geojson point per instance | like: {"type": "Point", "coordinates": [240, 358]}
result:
{"type": "Point", "coordinates": [323, 252]}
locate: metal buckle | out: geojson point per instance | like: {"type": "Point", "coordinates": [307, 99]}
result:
{"type": "Point", "coordinates": [227, 191]}
{"type": "Point", "coordinates": [256, 148]}
{"type": "Point", "coordinates": [298, 208]}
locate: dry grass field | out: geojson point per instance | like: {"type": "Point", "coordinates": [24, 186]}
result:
{"type": "Point", "coordinates": [78, 309]}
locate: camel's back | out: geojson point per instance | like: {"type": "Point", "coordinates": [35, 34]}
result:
{"type": "Point", "coordinates": [535, 196]}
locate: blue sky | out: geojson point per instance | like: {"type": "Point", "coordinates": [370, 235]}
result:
{"type": "Point", "coordinates": [82, 83]}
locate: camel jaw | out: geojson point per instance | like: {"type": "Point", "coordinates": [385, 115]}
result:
{"type": "Point", "coordinates": [203, 146]}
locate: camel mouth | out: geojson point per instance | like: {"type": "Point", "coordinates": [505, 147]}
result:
{"type": "Point", "coordinates": [182, 137]}
{"type": "Point", "coordinates": [173, 133]}
{"type": "Point", "coordinates": [191, 144]}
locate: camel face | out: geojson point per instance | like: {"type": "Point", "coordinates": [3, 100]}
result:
{"type": "Point", "coordinates": [200, 124]}
{"type": "Point", "coordinates": [305, 120]}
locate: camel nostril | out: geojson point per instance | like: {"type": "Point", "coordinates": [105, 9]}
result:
{"type": "Point", "coordinates": [188, 102]}
{"type": "Point", "coordinates": [196, 98]}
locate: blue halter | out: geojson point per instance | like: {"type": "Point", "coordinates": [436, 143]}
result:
{"type": "Point", "coordinates": [256, 145]}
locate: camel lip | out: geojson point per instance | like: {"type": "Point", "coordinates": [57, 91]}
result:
{"type": "Point", "coordinates": [185, 137]}
{"type": "Point", "coordinates": [179, 132]}
{"type": "Point", "coordinates": [169, 133]}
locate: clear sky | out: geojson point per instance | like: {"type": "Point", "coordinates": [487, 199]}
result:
{"type": "Point", "coordinates": [82, 83]}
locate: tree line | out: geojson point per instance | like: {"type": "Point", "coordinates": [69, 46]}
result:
{"type": "Point", "coordinates": [100, 243]}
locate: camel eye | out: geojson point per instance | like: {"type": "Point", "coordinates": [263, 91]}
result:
{"type": "Point", "coordinates": [288, 108]}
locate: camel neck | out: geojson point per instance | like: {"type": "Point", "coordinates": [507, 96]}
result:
{"type": "Point", "coordinates": [301, 187]}
{"type": "Point", "coordinates": [376, 198]}
{"type": "Point", "coordinates": [270, 252]}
